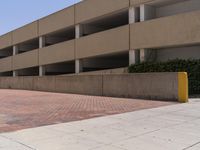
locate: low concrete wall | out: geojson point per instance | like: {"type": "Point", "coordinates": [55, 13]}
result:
{"type": "Point", "coordinates": [156, 86]}
{"type": "Point", "coordinates": [161, 86]}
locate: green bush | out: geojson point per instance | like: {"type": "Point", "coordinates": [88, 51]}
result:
{"type": "Point", "coordinates": [192, 67]}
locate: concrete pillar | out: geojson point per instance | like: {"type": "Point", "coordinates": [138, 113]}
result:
{"type": "Point", "coordinates": [79, 31]}
{"type": "Point", "coordinates": [41, 45]}
{"type": "Point", "coordinates": [41, 71]}
{"type": "Point", "coordinates": [143, 55]}
{"type": "Point", "coordinates": [42, 42]}
{"type": "Point", "coordinates": [78, 66]}
{"type": "Point", "coordinates": [78, 62]}
{"type": "Point", "coordinates": [134, 57]}
{"type": "Point", "coordinates": [147, 12]}
{"type": "Point", "coordinates": [148, 55]}
{"type": "Point", "coordinates": [134, 15]}
{"type": "Point", "coordinates": [15, 73]}
{"type": "Point", "coordinates": [15, 52]}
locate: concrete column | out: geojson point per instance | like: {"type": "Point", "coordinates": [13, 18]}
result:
{"type": "Point", "coordinates": [15, 52]}
{"type": "Point", "coordinates": [143, 55]}
{"type": "Point", "coordinates": [15, 73]}
{"type": "Point", "coordinates": [41, 71]}
{"type": "Point", "coordinates": [41, 45]}
{"type": "Point", "coordinates": [134, 15]}
{"type": "Point", "coordinates": [147, 12]}
{"type": "Point", "coordinates": [78, 62]}
{"type": "Point", "coordinates": [134, 57]}
{"type": "Point", "coordinates": [42, 42]}
{"type": "Point", "coordinates": [79, 66]}
{"type": "Point", "coordinates": [148, 55]}
{"type": "Point", "coordinates": [79, 31]}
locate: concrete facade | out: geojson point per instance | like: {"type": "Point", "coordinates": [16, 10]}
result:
{"type": "Point", "coordinates": [84, 38]}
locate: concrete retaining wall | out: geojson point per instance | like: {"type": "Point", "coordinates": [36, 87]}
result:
{"type": "Point", "coordinates": [156, 86]}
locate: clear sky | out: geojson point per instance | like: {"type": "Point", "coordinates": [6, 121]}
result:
{"type": "Point", "coordinates": [16, 13]}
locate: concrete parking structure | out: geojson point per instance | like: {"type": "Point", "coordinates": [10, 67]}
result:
{"type": "Point", "coordinates": [96, 35]}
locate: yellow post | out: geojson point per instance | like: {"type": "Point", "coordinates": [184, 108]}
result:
{"type": "Point", "coordinates": [183, 87]}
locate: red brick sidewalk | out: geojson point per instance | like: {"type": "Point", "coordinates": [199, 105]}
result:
{"type": "Point", "coordinates": [27, 109]}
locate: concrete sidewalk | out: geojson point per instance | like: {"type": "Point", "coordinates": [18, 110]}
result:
{"type": "Point", "coordinates": [174, 127]}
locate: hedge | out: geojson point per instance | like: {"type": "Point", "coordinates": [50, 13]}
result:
{"type": "Point", "coordinates": [192, 67]}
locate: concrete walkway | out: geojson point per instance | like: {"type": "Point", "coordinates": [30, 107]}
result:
{"type": "Point", "coordinates": [174, 127]}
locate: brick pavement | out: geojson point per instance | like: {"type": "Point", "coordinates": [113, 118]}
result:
{"type": "Point", "coordinates": [27, 109]}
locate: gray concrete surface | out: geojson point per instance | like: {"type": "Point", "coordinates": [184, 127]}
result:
{"type": "Point", "coordinates": [174, 127]}
{"type": "Point", "coordinates": [155, 86]}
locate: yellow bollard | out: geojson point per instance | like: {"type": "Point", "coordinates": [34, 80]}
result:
{"type": "Point", "coordinates": [183, 87]}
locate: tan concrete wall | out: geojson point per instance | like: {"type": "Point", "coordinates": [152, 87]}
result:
{"type": "Point", "coordinates": [110, 41]}
{"type": "Point", "coordinates": [89, 9]}
{"type": "Point", "coordinates": [16, 83]}
{"type": "Point", "coordinates": [27, 83]}
{"type": "Point", "coordinates": [57, 53]}
{"type": "Point", "coordinates": [57, 21]}
{"type": "Point", "coordinates": [79, 84]}
{"type": "Point", "coordinates": [6, 64]}
{"type": "Point", "coordinates": [6, 40]}
{"type": "Point", "coordinates": [146, 86]}
{"type": "Point", "coordinates": [26, 60]}
{"type": "Point", "coordinates": [156, 86]}
{"type": "Point", "coordinates": [44, 83]}
{"type": "Point", "coordinates": [6, 82]}
{"type": "Point", "coordinates": [169, 31]}
{"type": "Point", "coordinates": [25, 33]}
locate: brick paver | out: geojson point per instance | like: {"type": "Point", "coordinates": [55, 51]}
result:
{"type": "Point", "coordinates": [26, 109]}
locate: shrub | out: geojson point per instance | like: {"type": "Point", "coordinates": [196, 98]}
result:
{"type": "Point", "coordinates": [192, 67]}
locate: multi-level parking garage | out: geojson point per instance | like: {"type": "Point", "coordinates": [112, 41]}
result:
{"type": "Point", "coordinates": [103, 34]}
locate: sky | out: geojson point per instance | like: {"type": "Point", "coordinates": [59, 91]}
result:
{"type": "Point", "coordinates": [16, 13]}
